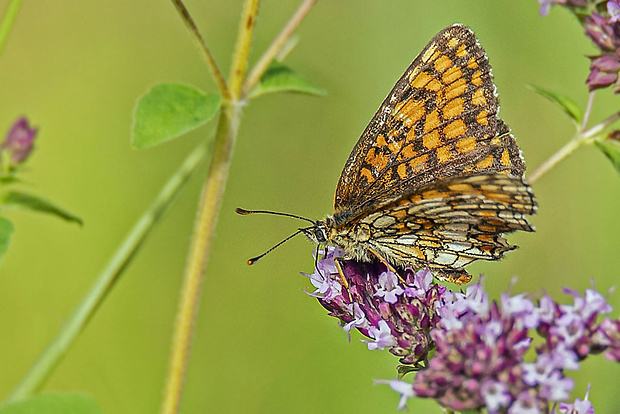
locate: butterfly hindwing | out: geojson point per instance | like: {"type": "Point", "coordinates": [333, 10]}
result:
{"type": "Point", "coordinates": [447, 226]}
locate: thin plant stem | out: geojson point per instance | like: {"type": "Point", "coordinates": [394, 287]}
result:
{"type": "Point", "coordinates": [53, 354]}
{"type": "Point", "coordinates": [276, 46]}
{"type": "Point", "coordinates": [242, 49]}
{"type": "Point", "coordinates": [206, 220]}
{"type": "Point", "coordinates": [579, 139]}
{"type": "Point", "coordinates": [558, 156]}
{"type": "Point", "coordinates": [211, 63]}
{"type": "Point", "coordinates": [586, 115]}
{"type": "Point", "coordinates": [591, 133]}
{"type": "Point", "coordinates": [7, 22]}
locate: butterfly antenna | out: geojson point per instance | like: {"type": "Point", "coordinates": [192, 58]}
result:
{"type": "Point", "coordinates": [255, 259]}
{"type": "Point", "coordinates": [244, 212]}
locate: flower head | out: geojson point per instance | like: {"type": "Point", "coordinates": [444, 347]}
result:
{"type": "Point", "coordinates": [576, 328]}
{"type": "Point", "coordinates": [480, 344]}
{"type": "Point", "coordinates": [393, 311]}
{"type": "Point", "coordinates": [477, 363]}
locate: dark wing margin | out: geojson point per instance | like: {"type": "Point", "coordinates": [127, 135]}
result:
{"type": "Point", "coordinates": [438, 122]}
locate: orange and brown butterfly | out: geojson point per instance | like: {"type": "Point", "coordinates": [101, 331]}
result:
{"type": "Point", "coordinates": [436, 177]}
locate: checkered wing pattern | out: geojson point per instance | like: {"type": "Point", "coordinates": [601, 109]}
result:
{"type": "Point", "coordinates": [438, 122]}
{"type": "Point", "coordinates": [449, 225]}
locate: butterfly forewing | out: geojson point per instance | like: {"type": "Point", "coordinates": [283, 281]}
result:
{"type": "Point", "coordinates": [439, 121]}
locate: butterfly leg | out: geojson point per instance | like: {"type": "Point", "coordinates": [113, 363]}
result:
{"type": "Point", "coordinates": [338, 263]}
{"type": "Point", "coordinates": [385, 262]}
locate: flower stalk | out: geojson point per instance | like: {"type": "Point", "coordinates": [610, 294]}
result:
{"type": "Point", "coordinates": [206, 52]}
{"type": "Point", "coordinates": [276, 46]}
{"type": "Point", "coordinates": [7, 22]}
{"type": "Point", "coordinates": [582, 137]}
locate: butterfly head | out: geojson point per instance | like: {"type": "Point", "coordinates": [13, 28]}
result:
{"type": "Point", "coordinates": [318, 233]}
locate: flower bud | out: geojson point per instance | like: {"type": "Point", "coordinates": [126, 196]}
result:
{"type": "Point", "coordinates": [19, 142]}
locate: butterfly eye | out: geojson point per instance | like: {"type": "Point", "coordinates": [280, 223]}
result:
{"type": "Point", "coordinates": [319, 234]}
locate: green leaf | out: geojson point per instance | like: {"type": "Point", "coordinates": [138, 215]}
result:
{"type": "Point", "coordinates": [17, 199]}
{"type": "Point", "coordinates": [280, 78]}
{"type": "Point", "coordinates": [169, 110]}
{"type": "Point", "coordinates": [6, 230]}
{"type": "Point", "coordinates": [564, 102]}
{"type": "Point", "coordinates": [54, 404]}
{"type": "Point", "coordinates": [9, 179]}
{"type": "Point", "coordinates": [611, 148]}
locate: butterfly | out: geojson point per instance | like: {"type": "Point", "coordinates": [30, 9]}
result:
{"type": "Point", "coordinates": [436, 178]}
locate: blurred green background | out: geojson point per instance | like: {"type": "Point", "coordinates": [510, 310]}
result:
{"type": "Point", "coordinates": [262, 346]}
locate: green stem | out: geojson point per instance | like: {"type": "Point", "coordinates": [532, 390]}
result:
{"type": "Point", "coordinates": [551, 162]}
{"type": "Point", "coordinates": [49, 359]}
{"type": "Point", "coordinates": [276, 46]}
{"type": "Point", "coordinates": [586, 115]}
{"type": "Point", "coordinates": [208, 210]}
{"type": "Point", "coordinates": [591, 133]}
{"type": "Point", "coordinates": [7, 22]}
{"type": "Point", "coordinates": [211, 63]}
{"type": "Point", "coordinates": [200, 248]}
{"type": "Point", "coordinates": [242, 48]}
{"type": "Point", "coordinates": [584, 137]}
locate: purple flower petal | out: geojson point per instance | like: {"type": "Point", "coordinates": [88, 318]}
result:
{"type": "Point", "coordinates": [556, 387]}
{"type": "Point", "coordinates": [422, 282]}
{"type": "Point", "coordinates": [526, 403]}
{"type": "Point", "coordinates": [570, 327]}
{"type": "Point", "coordinates": [613, 8]}
{"type": "Point", "coordinates": [564, 358]}
{"type": "Point", "coordinates": [521, 308]}
{"type": "Point", "coordinates": [390, 289]}
{"type": "Point", "coordinates": [598, 79]}
{"type": "Point", "coordinates": [538, 372]}
{"type": "Point", "coordinates": [382, 336]}
{"type": "Point", "coordinates": [546, 309]}
{"type": "Point", "coordinates": [495, 395]}
{"type": "Point", "coordinates": [545, 5]}
{"type": "Point", "coordinates": [605, 63]}
{"type": "Point", "coordinates": [359, 320]}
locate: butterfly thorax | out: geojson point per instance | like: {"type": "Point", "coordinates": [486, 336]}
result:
{"type": "Point", "coordinates": [339, 230]}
